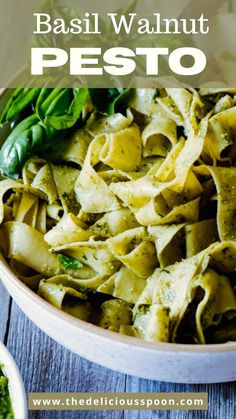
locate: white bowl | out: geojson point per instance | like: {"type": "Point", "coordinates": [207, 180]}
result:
{"type": "Point", "coordinates": [158, 361]}
{"type": "Point", "coordinates": [15, 383]}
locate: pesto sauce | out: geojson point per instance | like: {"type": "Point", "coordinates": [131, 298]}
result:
{"type": "Point", "coordinates": [6, 411]}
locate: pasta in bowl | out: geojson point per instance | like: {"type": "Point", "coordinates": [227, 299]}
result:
{"type": "Point", "coordinates": [123, 216]}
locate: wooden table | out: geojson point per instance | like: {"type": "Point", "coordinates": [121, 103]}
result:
{"type": "Point", "coordinates": [47, 366]}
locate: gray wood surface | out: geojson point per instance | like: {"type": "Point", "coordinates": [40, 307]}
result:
{"type": "Point", "coordinates": [48, 367]}
{"type": "Point", "coordinates": [4, 313]}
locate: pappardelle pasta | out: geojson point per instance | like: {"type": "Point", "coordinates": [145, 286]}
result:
{"type": "Point", "coordinates": [126, 219]}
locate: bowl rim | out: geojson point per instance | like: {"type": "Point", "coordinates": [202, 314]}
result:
{"type": "Point", "coordinates": [15, 382]}
{"type": "Point", "coordinates": [6, 271]}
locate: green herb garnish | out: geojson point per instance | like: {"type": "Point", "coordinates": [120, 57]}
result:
{"type": "Point", "coordinates": [56, 110]}
{"type": "Point", "coordinates": [6, 411]}
{"type": "Point", "coordinates": [109, 101]}
{"type": "Point", "coordinates": [69, 262]}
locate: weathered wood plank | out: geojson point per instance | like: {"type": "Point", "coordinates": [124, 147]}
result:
{"type": "Point", "coordinates": [222, 399]}
{"type": "Point", "coordinates": [4, 310]}
{"type": "Point", "coordinates": [47, 366]}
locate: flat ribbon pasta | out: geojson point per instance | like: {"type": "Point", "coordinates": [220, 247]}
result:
{"type": "Point", "coordinates": [90, 186]}
{"type": "Point", "coordinates": [129, 222]}
{"type": "Point", "coordinates": [135, 251]}
{"type": "Point", "coordinates": [95, 254]}
{"type": "Point", "coordinates": [124, 284]}
{"type": "Point", "coordinates": [174, 288]}
{"type": "Point", "coordinates": [32, 251]}
{"type": "Point", "coordinates": [159, 136]}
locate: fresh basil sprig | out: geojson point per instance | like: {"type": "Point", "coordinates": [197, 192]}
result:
{"type": "Point", "coordinates": [18, 101]}
{"type": "Point", "coordinates": [109, 101]}
{"type": "Point", "coordinates": [30, 136]}
{"type": "Point", "coordinates": [56, 111]}
{"type": "Point", "coordinates": [69, 262]}
{"type": "Point", "coordinates": [53, 102]}
{"type": "Point", "coordinates": [60, 116]}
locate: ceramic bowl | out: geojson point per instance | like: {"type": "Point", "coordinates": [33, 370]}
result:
{"type": "Point", "coordinates": [158, 361]}
{"type": "Point", "coordinates": [15, 383]}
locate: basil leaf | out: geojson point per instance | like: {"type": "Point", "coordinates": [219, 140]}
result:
{"type": "Point", "coordinates": [56, 110]}
{"type": "Point", "coordinates": [18, 101]}
{"type": "Point", "coordinates": [54, 102]}
{"type": "Point", "coordinates": [71, 117]}
{"type": "Point", "coordinates": [26, 139]}
{"type": "Point", "coordinates": [69, 262]}
{"type": "Point", "coordinates": [109, 101]}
